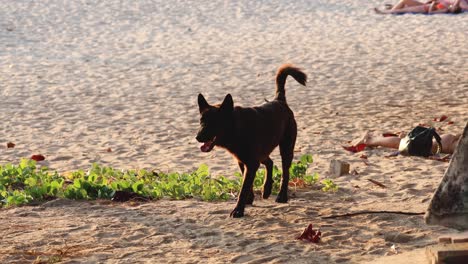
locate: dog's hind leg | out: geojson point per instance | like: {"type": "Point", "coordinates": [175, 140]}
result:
{"type": "Point", "coordinates": [268, 183]}
{"type": "Point", "coordinates": [250, 197]}
{"type": "Point", "coordinates": [287, 154]}
{"type": "Point", "coordinates": [247, 185]}
{"type": "Point", "coordinates": [241, 167]}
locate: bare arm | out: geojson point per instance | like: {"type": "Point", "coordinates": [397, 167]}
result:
{"type": "Point", "coordinates": [460, 5]}
{"type": "Point", "coordinates": [455, 5]}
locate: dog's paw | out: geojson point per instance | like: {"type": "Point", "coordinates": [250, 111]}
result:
{"type": "Point", "coordinates": [282, 199]}
{"type": "Point", "coordinates": [237, 213]}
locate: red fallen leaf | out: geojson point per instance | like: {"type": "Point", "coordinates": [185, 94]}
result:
{"type": "Point", "coordinates": [109, 150]}
{"type": "Point", "coordinates": [450, 123]}
{"type": "Point", "coordinates": [441, 118]}
{"type": "Point", "coordinates": [357, 148]}
{"type": "Point", "coordinates": [10, 145]}
{"type": "Point", "coordinates": [363, 156]}
{"type": "Point", "coordinates": [297, 183]}
{"type": "Point", "coordinates": [310, 235]}
{"type": "Point", "coordinates": [389, 135]}
{"type": "Point", "coordinates": [424, 125]}
{"type": "Point", "coordinates": [38, 157]}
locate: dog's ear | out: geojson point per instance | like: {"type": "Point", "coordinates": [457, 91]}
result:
{"type": "Point", "coordinates": [202, 103]}
{"type": "Point", "coordinates": [228, 105]}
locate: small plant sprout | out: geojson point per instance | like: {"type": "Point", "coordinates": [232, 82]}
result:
{"type": "Point", "coordinates": [329, 185]}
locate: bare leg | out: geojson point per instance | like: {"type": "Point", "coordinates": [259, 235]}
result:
{"type": "Point", "coordinates": [406, 3]}
{"type": "Point", "coordinates": [406, 6]}
{"type": "Point", "coordinates": [411, 9]}
{"type": "Point", "coordinates": [379, 141]}
{"type": "Point", "coordinates": [449, 143]}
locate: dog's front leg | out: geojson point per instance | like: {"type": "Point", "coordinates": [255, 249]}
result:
{"type": "Point", "coordinates": [249, 175]}
{"type": "Point", "coordinates": [251, 196]}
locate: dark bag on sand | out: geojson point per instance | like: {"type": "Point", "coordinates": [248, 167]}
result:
{"type": "Point", "coordinates": [418, 142]}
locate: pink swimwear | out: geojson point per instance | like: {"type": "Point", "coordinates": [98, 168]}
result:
{"type": "Point", "coordinates": [444, 4]}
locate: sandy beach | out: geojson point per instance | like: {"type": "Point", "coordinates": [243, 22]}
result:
{"type": "Point", "coordinates": [80, 77]}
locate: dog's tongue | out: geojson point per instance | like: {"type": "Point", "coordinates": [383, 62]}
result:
{"type": "Point", "coordinates": [207, 146]}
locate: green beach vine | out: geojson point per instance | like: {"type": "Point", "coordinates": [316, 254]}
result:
{"type": "Point", "coordinates": [27, 183]}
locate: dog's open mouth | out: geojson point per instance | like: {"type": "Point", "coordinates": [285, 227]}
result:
{"type": "Point", "coordinates": [208, 146]}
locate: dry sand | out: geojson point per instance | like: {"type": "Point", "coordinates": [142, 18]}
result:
{"type": "Point", "coordinates": [79, 77]}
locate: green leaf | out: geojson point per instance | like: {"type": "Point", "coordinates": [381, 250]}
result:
{"type": "Point", "coordinates": [306, 159]}
{"type": "Point", "coordinates": [203, 171]}
{"type": "Point", "coordinates": [30, 181]}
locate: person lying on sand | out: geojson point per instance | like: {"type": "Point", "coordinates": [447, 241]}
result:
{"type": "Point", "coordinates": [449, 141]}
{"type": "Point", "coordinates": [429, 7]}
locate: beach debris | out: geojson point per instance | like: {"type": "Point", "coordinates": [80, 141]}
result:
{"type": "Point", "coordinates": [441, 118]}
{"type": "Point", "coordinates": [356, 148]}
{"type": "Point", "coordinates": [377, 183]}
{"type": "Point", "coordinates": [10, 145]}
{"type": "Point", "coordinates": [310, 235]}
{"type": "Point", "coordinates": [444, 158]}
{"type": "Point", "coordinates": [38, 157]}
{"type": "Point", "coordinates": [370, 212]}
{"type": "Point", "coordinates": [338, 168]}
{"type": "Point", "coordinates": [450, 123]}
{"type": "Point", "coordinates": [393, 154]}
{"type": "Point", "coordinates": [445, 240]}
{"type": "Point", "coordinates": [363, 156]}
{"type": "Point", "coordinates": [449, 204]}
{"type": "Point", "coordinates": [448, 250]}
{"type": "Point", "coordinates": [393, 249]}
{"type": "Point", "coordinates": [109, 150]}
{"type": "Point", "coordinates": [389, 135]}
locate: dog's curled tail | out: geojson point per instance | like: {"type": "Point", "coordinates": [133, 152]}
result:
{"type": "Point", "coordinates": [283, 72]}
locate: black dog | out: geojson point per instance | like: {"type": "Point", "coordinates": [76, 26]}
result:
{"type": "Point", "coordinates": [251, 134]}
